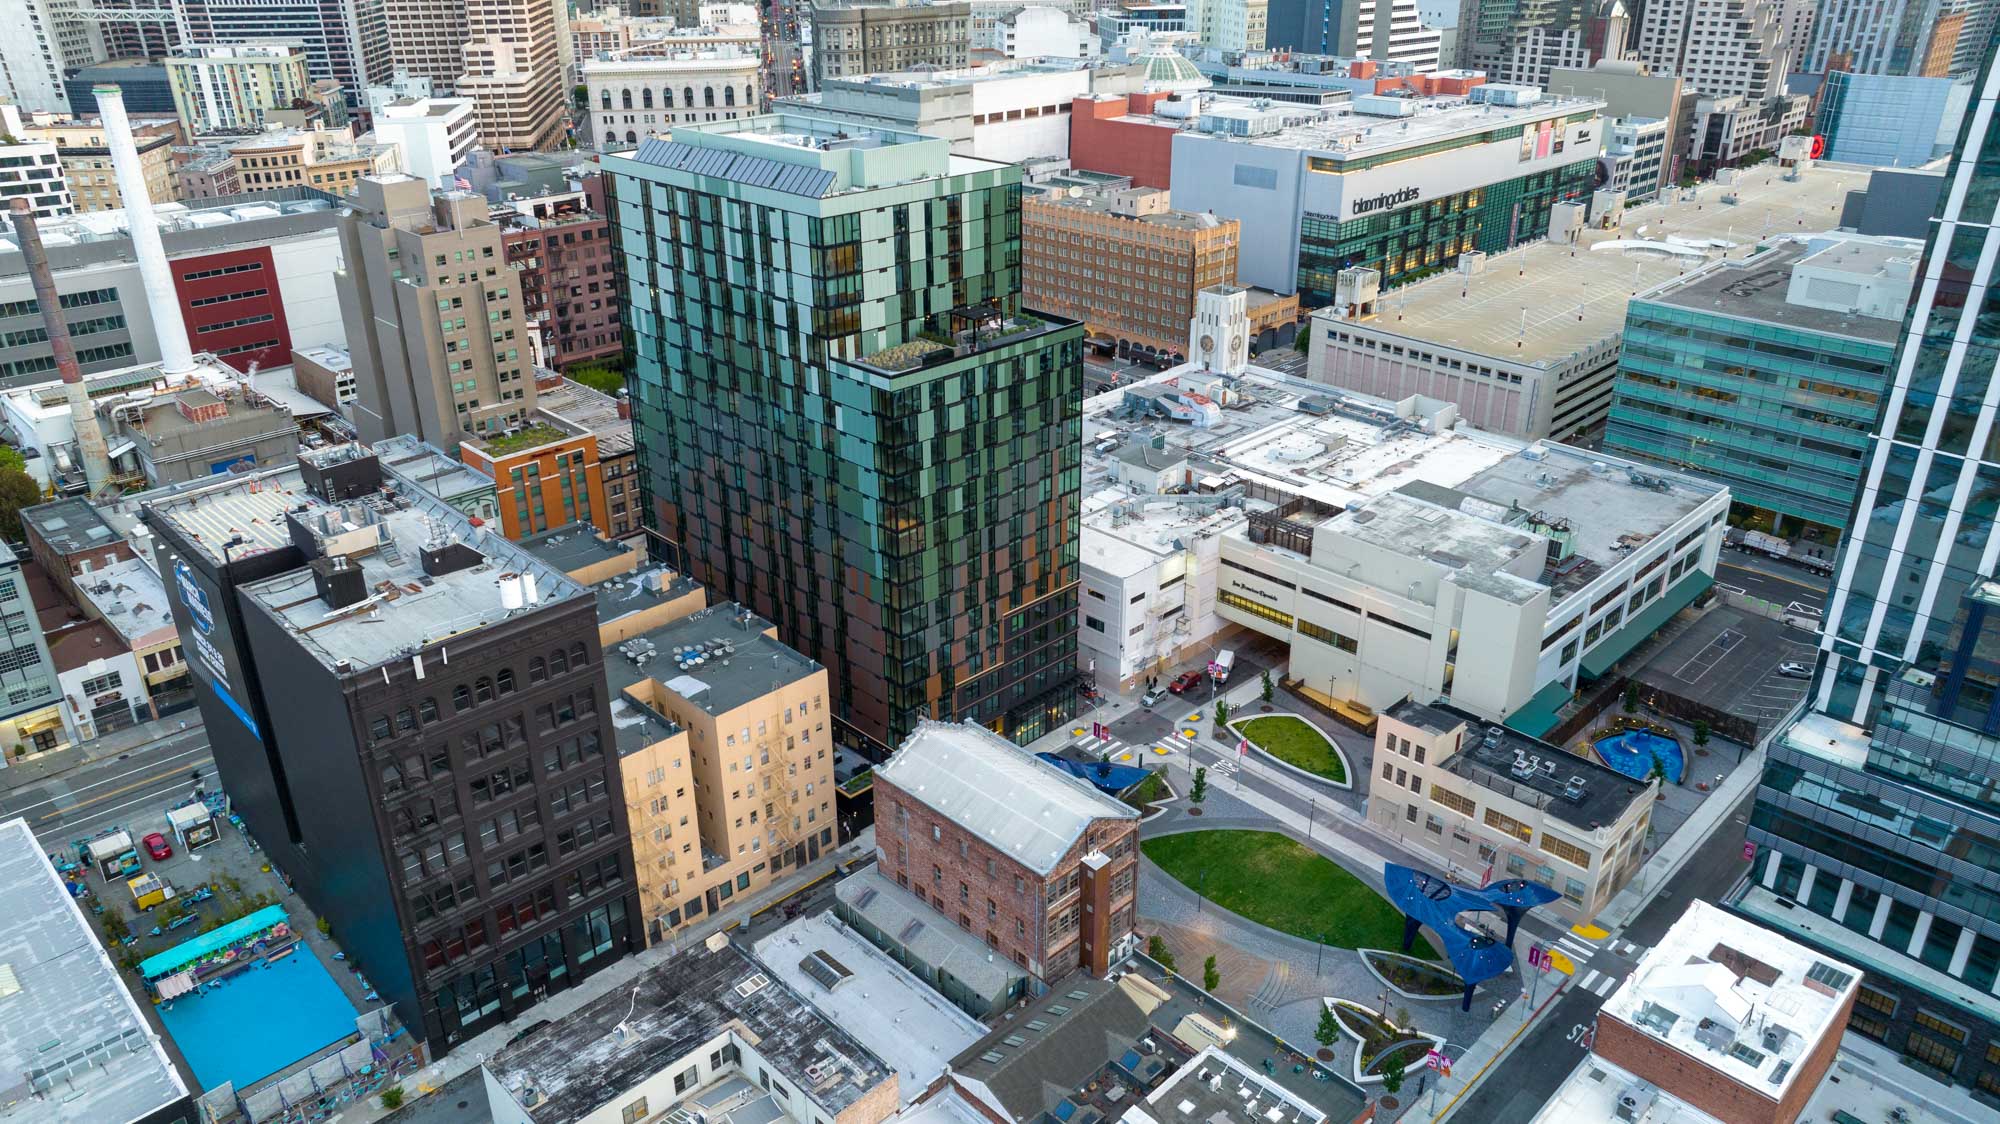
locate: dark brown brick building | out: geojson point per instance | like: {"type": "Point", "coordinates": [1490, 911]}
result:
{"type": "Point", "coordinates": [1036, 863]}
{"type": "Point", "coordinates": [562, 246]}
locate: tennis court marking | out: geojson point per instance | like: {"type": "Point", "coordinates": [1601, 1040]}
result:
{"type": "Point", "coordinates": [1710, 654]}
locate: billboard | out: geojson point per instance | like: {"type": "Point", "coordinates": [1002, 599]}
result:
{"type": "Point", "coordinates": [201, 616]}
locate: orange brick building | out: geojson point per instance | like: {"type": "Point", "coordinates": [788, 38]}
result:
{"type": "Point", "coordinates": [1117, 134]}
{"type": "Point", "coordinates": [544, 476]}
{"type": "Point", "coordinates": [1123, 262]}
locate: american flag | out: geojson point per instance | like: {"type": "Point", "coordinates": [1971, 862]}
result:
{"type": "Point", "coordinates": [461, 183]}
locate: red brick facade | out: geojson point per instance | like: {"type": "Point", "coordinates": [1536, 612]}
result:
{"type": "Point", "coordinates": [563, 250]}
{"type": "Point", "coordinates": [1140, 148]}
{"type": "Point", "coordinates": [1047, 925]}
{"type": "Point", "coordinates": [1709, 1089]}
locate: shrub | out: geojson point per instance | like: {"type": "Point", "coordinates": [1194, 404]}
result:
{"type": "Point", "coordinates": [325, 927]}
{"type": "Point", "coordinates": [1198, 791]}
{"type": "Point", "coordinates": [392, 1097]}
{"type": "Point", "coordinates": [1210, 977]}
{"type": "Point", "coordinates": [1269, 690]}
{"type": "Point", "coordinates": [1329, 1027]}
{"type": "Point", "coordinates": [1157, 949]}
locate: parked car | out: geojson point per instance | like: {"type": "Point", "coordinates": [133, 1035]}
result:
{"type": "Point", "coordinates": [1185, 682]}
{"type": "Point", "coordinates": [158, 847]}
{"type": "Point", "coordinates": [1153, 696]}
{"type": "Point", "coordinates": [1793, 670]}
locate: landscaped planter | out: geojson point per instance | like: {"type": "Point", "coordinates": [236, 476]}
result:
{"type": "Point", "coordinates": [1292, 743]}
{"type": "Point", "coordinates": [1405, 1038]}
{"type": "Point", "coordinates": [1405, 975]}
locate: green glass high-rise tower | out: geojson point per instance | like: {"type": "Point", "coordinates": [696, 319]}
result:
{"type": "Point", "coordinates": [845, 419]}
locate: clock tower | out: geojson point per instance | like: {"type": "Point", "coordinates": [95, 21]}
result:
{"type": "Point", "coordinates": [1219, 334]}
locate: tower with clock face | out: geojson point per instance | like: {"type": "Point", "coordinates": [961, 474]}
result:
{"type": "Point", "coordinates": [1219, 334]}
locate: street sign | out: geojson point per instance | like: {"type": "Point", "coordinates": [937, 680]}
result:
{"type": "Point", "coordinates": [1436, 1060]}
{"type": "Point", "coordinates": [1749, 850]}
{"type": "Point", "coordinates": [1538, 958]}
{"type": "Point", "coordinates": [1098, 730]}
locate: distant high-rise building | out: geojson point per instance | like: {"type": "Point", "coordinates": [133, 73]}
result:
{"type": "Point", "coordinates": [513, 72]}
{"type": "Point", "coordinates": [1389, 31]}
{"type": "Point", "coordinates": [1520, 41]}
{"type": "Point", "coordinates": [1876, 812]}
{"type": "Point", "coordinates": [848, 422]}
{"type": "Point", "coordinates": [853, 37]}
{"type": "Point", "coordinates": [1722, 48]}
{"type": "Point", "coordinates": [44, 39]}
{"type": "Point", "coordinates": [345, 41]}
{"type": "Point", "coordinates": [430, 38]}
{"type": "Point", "coordinates": [436, 327]}
{"type": "Point", "coordinates": [1916, 38]}
{"type": "Point", "coordinates": [1230, 25]}
{"type": "Point", "coordinates": [234, 85]}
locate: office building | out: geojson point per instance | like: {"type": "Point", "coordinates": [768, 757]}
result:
{"type": "Point", "coordinates": [632, 99]}
{"type": "Point", "coordinates": [1544, 367]}
{"type": "Point", "coordinates": [1637, 155]}
{"type": "Point", "coordinates": [86, 158]}
{"type": "Point", "coordinates": [560, 247]}
{"type": "Point", "coordinates": [853, 37]}
{"type": "Point", "coordinates": [615, 33]}
{"type": "Point", "coordinates": [429, 42]}
{"type": "Point", "coordinates": [1767, 374]}
{"type": "Point", "coordinates": [234, 86]}
{"type": "Point", "coordinates": [1391, 32]}
{"type": "Point", "coordinates": [1902, 38]}
{"type": "Point", "coordinates": [324, 159]}
{"type": "Point", "coordinates": [80, 1047]}
{"type": "Point", "coordinates": [708, 1025]}
{"type": "Point", "coordinates": [513, 65]}
{"type": "Point", "coordinates": [1633, 93]}
{"type": "Point", "coordinates": [48, 40]}
{"type": "Point", "coordinates": [545, 475]}
{"type": "Point", "coordinates": [144, 83]}
{"type": "Point", "coordinates": [1493, 803]}
{"type": "Point", "coordinates": [30, 717]}
{"type": "Point", "coordinates": [1036, 862]}
{"type": "Point", "coordinates": [1494, 593]}
{"type": "Point", "coordinates": [434, 135]}
{"type": "Point", "coordinates": [1518, 42]}
{"type": "Point", "coordinates": [346, 42]}
{"type": "Point", "coordinates": [1123, 262]}
{"type": "Point", "coordinates": [442, 349]}
{"type": "Point", "coordinates": [611, 420]}
{"type": "Point", "coordinates": [428, 768]}
{"type": "Point", "coordinates": [1721, 48]}
{"type": "Point", "coordinates": [1870, 798]}
{"type": "Point", "coordinates": [1881, 121]}
{"type": "Point", "coordinates": [30, 168]}
{"type": "Point", "coordinates": [717, 811]}
{"type": "Point", "coordinates": [862, 592]}
{"type": "Point", "coordinates": [1229, 25]}
{"type": "Point", "coordinates": [1013, 111]}
{"type": "Point", "coordinates": [1399, 185]}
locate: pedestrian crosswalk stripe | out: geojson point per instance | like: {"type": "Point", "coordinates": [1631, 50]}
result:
{"type": "Point", "coordinates": [1589, 980]}
{"type": "Point", "coordinates": [1582, 952]}
{"type": "Point", "coordinates": [1604, 986]}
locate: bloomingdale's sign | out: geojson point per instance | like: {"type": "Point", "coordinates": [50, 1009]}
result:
{"type": "Point", "coordinates": [1385, 201]}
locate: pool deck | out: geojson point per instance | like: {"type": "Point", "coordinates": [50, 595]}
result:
{"type": "Point", "coordinates": [1675, 763]}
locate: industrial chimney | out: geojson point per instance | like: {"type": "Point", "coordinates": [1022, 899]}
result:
{"type": "Point", "coordinates": [89, 437]}
{"type": "Point", "coordinates": [164, 304]}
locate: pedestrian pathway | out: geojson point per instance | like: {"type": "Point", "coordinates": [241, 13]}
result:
{"type": "Point", "coordinates": [24, 771]}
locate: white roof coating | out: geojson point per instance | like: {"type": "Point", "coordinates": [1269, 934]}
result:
{"type": "Point", "coordinates": [901, 1018]}
{"type": "Point", "coordinates": [1743, 1000]}
{"type": "Point", "coordinates": [1000, 792]}
{"type": "Point", "coordinates": [70, 1030]}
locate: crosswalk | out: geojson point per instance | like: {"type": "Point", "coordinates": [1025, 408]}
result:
{"type": "Point", "coordinates": [1598, 983]}
{"type": "Point", "coordinates": [1155, 752]}
{"type": "Point", "coordinates": [1582, 944]}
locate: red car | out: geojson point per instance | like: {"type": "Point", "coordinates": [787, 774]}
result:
{"type": "Point", "coordinates": [158, 847]}
{"type": "Point", "coordinates": [1187, 681]}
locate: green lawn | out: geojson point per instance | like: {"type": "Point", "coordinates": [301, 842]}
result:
{"type": "Point", "coordinates": [1275, 881]}
{"type": "Point", "coordinates": [1294, 741]}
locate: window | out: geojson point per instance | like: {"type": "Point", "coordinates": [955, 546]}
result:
{"type": "Point", "coordinates": [1510, 825]}
{"type": "Point", "coordinates": [1460, 804]}
{"type": "Point", "coordinates": [1565, 850]}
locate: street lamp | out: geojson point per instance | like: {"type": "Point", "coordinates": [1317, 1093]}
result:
{"type": "Point", "coordinates": [1442, 1046]}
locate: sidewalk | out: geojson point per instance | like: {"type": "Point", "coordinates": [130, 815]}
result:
{"type": "Point", "coordinates": [1485, 1052]}
{"type": "Point", "coordinates": [1682, 844]}
{"type": "Point", "coordinates": [26, 771]}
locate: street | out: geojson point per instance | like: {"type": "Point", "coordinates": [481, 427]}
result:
{"type": "Point", "coordinates": [1770, 579]}
{"type": "Point", "coordinates": [131, 789]}
{"type": "Point", "coordinates": [1516, 1088]}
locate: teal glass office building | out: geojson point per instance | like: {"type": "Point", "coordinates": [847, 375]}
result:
{"type": "Point", "coordinates": [1877, 821]}
{"type": "Point", "coordinates": [845, 419]}
{"type": "Point", "coordinates": [1723, 375]}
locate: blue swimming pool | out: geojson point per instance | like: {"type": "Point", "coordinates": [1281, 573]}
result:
{"type": "Point", "coordinates": [1632, 752]}
{"type": "Point", "coordinates": [259, 1020]}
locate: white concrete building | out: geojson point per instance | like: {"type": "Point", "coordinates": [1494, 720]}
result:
{"type": "Point", "coordinates": [1039, 32]}
{"type": "Point", "coordinates": [1491, 593]}
{"type": "Point", "coordinates": [43, 40]}
{"type": "Point", "coordinates": [634, 98]}
{"type": "Point", "coordinates": [435, 135]}
{"type": "Point", "coordinates": [1490, 803]}
{"type": "Point", "coordinates": [1635, 151]}
{"type": "Point", "coordinates": [32, 169]}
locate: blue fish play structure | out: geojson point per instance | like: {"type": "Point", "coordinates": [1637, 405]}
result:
{"type": "Point", "coordinates": [1426, 899]}
{"type": "Point", "coordinates": [1110, 778]}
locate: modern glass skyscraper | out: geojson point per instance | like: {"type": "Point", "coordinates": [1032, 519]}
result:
{"type": "Point", "coordinates": [1878, 819]}
{"type": "Point", "coordinates": [846, 421]}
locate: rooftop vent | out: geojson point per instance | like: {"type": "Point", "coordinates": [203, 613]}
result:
{"type": "Point", "coordinates": [338, 581]}
{"type": "Point", "coordinates": [449, 557]}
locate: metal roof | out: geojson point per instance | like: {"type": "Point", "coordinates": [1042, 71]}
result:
{"type": "Point", "coordinates": [756, 171]}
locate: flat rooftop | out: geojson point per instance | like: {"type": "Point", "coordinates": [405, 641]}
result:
{"type": "Point", "coordinates": [210, 513]}
{"type": "Point", "coordinates": [1345, 134]}
{"type": "Point", "coordinates": [584, 1061]}
{"type": "Point", "coordinates": [589, 409]}
{"type": "Point", "coordinates": [1740, 999]}
{"type": "Point", "coordinates": [929, 935]}
{"type": "Point", "coordinates": [1107, 202]}
{"type": "Point", "coordinates": [128, 596]}
{"type": "Point", "coordinates": [1865, 1088]}
{"type": "Point", "coordinates": [573, 547]}
{"type": "Point", "coordinates": [739, 661]}
{"type": "Point", "coordinates": [1489, 760]}
{"type": "Point", "coordinates": [1217, 1088]}
{"type": "Point", "coordinates": [73, 1043]}
{"type": "Point", "coordinates": [1575, 296]}
{"type": "Point", "coordinates": [624, 594]}
{"type": "Point", "coordinates": [70, 526]}
{"type": "Point", "coordinates": [1612, 506]}
{"type": "Point", "coordinates": [1755, 288]}
{"type": "Point", "coordinates": [1483, 554]}
{"type": "Point", "coordinates": [855, 985]}
{"type": "Point", "coordinates": [431, 468]}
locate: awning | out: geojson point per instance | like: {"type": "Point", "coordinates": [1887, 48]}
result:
{"type": "Point", "coordinates": [186, 955]}
{"type": "Point", "coordinates": [1618, 644]}
{"type": "Point", "coordinates": [1537, 716]}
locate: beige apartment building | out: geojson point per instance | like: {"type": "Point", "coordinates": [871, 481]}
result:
{"type": "Point", "coordinates": [86, 160]}
{"type": "Point", "coordinates": [327, 159]}
{"type": "Point", "coordinates": [427, 38]}
{"type": "Point", "coordinates": [873, 36]}
{"type": "Point", "coordinates": [1488, 803]}
{"type": "Point", "coordinates": [435, 325]}
{"type": "Point", "coordinates": [513, 72]}
{"type": "Point", "coordinates": [234, 85]}
{"type": "Point", "coordinates": [1123, 261]}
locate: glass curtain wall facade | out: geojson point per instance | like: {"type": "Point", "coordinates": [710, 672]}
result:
{"type": "Point", "coordinates": [1878, 818]}
{"type": "Point", "coordinates": [846, 421]}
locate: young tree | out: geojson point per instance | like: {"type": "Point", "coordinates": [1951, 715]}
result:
{"type": "Point", "coordinates": [1631, 697]}
{"type": "Point", "coordinates": [1269, 690]}
{"type": "Point", "coordinates": [17, 490]}
{"type": "Point", "coordinates": [1303, 340]}
{"type": "Point", "coordinates": [1221, 712]}
{"type": "Point", "coordinates": [1328, 1030]}
{"type": "Point", "coordinates": [1658, 772]}
{"type": "Point", "coordinates": [1157, 949]}
{"type": "Point", "coordinates": [1210, 977]}
{"type": "Point", "coordinates": [1392, 1078]}
{"type": "Point", "coordinates": [1402, 1018]}
{"type": "Point", "coordinates": [1198, 791]}
{"type": "Point", "coordinates": [1701, 731]}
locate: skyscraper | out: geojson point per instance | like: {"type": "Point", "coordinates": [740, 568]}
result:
{"type": "Point", "coordinates": [513, 72]}
{"type": "Point", "coordinates": [1877, 823]}
{"type": "Point", "coordinates": [1914, 38]}
{"type": "Point", "coordinates": [846, 420]}
{"type": "Point", "coordinates": [344, 40]}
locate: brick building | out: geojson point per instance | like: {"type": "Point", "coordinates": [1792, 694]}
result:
{"type": "Point", "coordinates": [1038, 864]}
{"type": "Point", "coordinates": [1120, 135]}
{"type": "Point", "coordinates": [561, 248]}
{"type": "Point", "coordinates": [1724, 1016]}
{"type": "Point", "coordinates": [1123, 262]}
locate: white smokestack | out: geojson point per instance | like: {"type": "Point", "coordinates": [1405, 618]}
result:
{"type": "Point", "coordinates": [175, 357]}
